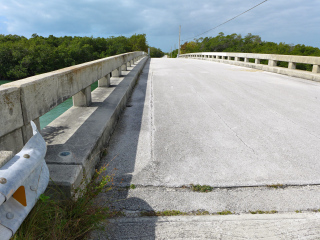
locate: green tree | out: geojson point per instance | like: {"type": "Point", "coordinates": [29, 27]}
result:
{"type": "Point", "coordinates": [21, 57]}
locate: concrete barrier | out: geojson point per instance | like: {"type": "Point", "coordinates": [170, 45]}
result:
{"type": "Point", "coordinates": [292, 60]}
{"type": "Point", "coordinates": [77, 136]}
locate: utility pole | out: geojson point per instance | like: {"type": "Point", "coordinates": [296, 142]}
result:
{"type": "Point", "coordinates": [179, 40]}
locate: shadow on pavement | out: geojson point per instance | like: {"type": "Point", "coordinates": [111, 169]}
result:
{"type": "Point", "coordinates": [121, 160]}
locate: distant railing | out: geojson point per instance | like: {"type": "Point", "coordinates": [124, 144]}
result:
{"type": "Point", "coordinates": [28, 99]}
{"type": "Point", "coordinates": [243, 59]}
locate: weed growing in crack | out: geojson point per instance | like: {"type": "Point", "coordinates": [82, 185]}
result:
{"type": "Point", "coordinates": [162, 213]}
{"type": "Point", "coordinates": [201, 188]}
{"type": "Point", "coordinates": [276, 186]}
{"type": "Point", "coordinates": [200, 212]}
{"type": "Point", "coordinates": [226, 212]}
{"type": "Point", "coordinates": [263, 212]}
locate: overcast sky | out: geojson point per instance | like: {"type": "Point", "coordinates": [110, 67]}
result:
{"type": "Point", "coordinates": [289, 21]}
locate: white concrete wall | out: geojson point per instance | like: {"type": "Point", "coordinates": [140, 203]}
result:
{"type": "Point", "coordinates": [225, 57]}
{"type": "Point", "coordinates": [28, 99]}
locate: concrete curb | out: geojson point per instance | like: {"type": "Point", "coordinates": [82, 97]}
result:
{"type": "Point", "coordinates": [76, 138]}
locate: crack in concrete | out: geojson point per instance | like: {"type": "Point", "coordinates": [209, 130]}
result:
{"type": "Point", "coordinates": [236, 134]}
{"type": "Point", "coordinates": [202, 212]}
{"type": "Point", "coordinates": [281, 115]}
{"type": "Point", "coordinates": [188, 187]}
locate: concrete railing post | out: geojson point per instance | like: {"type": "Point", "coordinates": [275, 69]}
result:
{"type": "Point", "coordinates": [316, 68]}
{"type": "Point", "coordinates": [272, 63]}
{"type": "Point", "coordinates": [116, 72]}
{"type": "Point", "coordinates": [257, 61]}
{"type": "Point", "coordinates": [229, 58]}
{"type": "Point", "coordinates": [82, 98]}
{"type": "Point", "coordinates": [124, 67]}
{"type": "Point", "coordinates": [292, 65]}
{"type": "Point", "coordinates": [246, 59]}
{"type": "Point", "coordinates": [237, 59]}
{"type": "Point", "coordinates": [105, 81]}
{"type": "Point", "coordinates": [129, 64]}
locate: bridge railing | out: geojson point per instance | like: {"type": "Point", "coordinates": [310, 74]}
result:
{"type": "Point", "coordinates": [30, 98]}
{"type": "Point", "coordinates": [243, 59]}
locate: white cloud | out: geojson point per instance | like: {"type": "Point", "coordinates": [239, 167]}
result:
{"type": "Point", "coordinates": [292, 21]}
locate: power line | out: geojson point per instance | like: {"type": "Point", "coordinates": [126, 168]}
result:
{"type": "Point", "coordinates": [228, 20]}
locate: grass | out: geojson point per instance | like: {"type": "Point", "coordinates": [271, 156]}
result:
{"type": "Point", "coordinates": [275, 186]}
{"type": "Point", "coordinates": [199, 212]}
{"type": "Point", "coordinates": [201, 188]}
{"type": "Point", "coordinates": [162, 213]}
{"type": "Point", "coordinates": [226, 212]}
{"type": "Point", "coordinates": [263, 212]}
{"type": "Point", "coordinates": [71, 218]}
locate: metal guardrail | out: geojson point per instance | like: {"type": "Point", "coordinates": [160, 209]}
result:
{"type": "Point", "coordinates": [22, 180]}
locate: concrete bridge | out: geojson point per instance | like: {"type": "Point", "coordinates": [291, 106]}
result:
{"type": "Point", "coordinates": [238, 128]}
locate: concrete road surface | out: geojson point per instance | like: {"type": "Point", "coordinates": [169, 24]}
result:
{"type": "Point", "coordinates": [199, 122]}
{"type": "Point", "coordinates": [236, 129]}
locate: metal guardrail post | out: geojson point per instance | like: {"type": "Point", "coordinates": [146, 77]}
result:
{"type": "Point", "coordinates": [22, 180]}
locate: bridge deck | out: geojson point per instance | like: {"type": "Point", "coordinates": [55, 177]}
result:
{"type": "Point", "coordinates": [198, 122]}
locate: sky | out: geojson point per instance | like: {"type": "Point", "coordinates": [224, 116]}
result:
{"type": "Point", "coordinates": [292, 22]}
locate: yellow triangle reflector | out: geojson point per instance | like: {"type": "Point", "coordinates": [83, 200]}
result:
{"type": "Point", "coordinates": [20, 196]}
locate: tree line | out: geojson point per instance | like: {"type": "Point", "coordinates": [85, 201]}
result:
{"type": "Point", "coordinates": [249, 44]}
{"type": "Point", "coordinates": [21, 57]}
